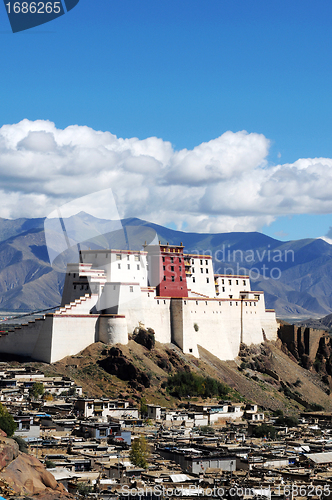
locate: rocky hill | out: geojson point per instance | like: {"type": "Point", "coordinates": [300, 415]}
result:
{"type": "Point", "coordinates": [22, 475]}
{"type": "Point", "coordinates": [267, 374]}
{"type": "Point", "coordinates": [296, 276]}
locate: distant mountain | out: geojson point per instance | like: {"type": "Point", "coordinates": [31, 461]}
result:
{"type": "Point", "coordinates": [296, 276]}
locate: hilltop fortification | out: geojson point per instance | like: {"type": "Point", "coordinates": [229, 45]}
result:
{"type": "Point", "coordinates": [111, 292]}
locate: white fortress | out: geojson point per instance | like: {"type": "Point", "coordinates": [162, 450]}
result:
{"type": "Point", "coordinates": [111, 292]}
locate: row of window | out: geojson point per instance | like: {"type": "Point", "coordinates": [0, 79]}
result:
{"type": "Point", "coordinates": [128, 266]}
{"type": "Point", "coordinates": [172, 268]}
{"type": "Point", "coordinates": [172, 260]}
{"type": "Point", "coordinates": [201, 262]}
{"type": "Point", "coordinates": [173, 278]}
{"type": "Point", "coordinates": [231, 303]}
{"type": "Point", "coordinates": [230, 282]}
{"type": "Point", "coordinates": [119, 257]}
{"type": "Point", "coordinates": [194, 279]}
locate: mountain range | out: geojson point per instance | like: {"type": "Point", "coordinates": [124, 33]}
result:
{"type": "Point", "coordinates": [295, 275]}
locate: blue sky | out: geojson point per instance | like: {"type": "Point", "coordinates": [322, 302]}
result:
{"type": "Point", "coordinates": [185, 72]}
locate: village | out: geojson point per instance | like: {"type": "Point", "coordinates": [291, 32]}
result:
{"type": "Point", "coordinates": [200, 449]}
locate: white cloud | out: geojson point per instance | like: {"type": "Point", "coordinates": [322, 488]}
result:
{"type": "Point", "coordinates": [223, 185]}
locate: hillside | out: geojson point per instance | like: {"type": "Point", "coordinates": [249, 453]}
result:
{"type": "Point", "coordinates": [296, 276]}
{"type": "Point", "coordinates": [288, 381]}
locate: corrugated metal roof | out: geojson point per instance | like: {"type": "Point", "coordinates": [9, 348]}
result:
{"type": "Point", "coordinates": [179, 478]}
{"type": "Point", "coordinates": [320, 458]}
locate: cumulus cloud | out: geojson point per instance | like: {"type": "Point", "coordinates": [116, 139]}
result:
{"type": "Point", "coordinates": [222, 185]}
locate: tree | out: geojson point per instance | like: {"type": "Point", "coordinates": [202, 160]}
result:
{"type": "Point", "coordinates": [84, 489]}
{"type": "Point", "coordinates": [7, 422]}
{"type": "Point", "coordinates": [37, 390]}
{"type": "Point", "coordinates": [143, 407]}
{"type": "Point", "coordinates": [139, 452]}
{"type": "Point", "coordinates": [264, 430]}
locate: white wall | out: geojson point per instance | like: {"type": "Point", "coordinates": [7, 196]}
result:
{"type": "Point", "coordinates": [231, 285]}
{"type": "Point", "coordinates": [201, 271]}
{"type": "Point", "coordinates": [72, 334]}
{"type": "Point", "coordinates": [219, 325]}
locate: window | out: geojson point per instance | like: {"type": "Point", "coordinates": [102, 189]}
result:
{"type": "Point", "coordinates": [137, 258]}
{"type": "Point", "coordinates": [173, 278]}
{"type": "Point", "coordinates": [201, 269]}
{"type": "Point", "coordinates": [208, 280]}
{"type": "Point", "coordinates": [131, 288]}
{"type": "Point", "coordinates": [206, 262]}
{"type": "Point", "coordinates": [138, 267]}
{"type": "Point", "coordinates": [194, 280]}
{"type": "Point", "coordinates": [172, 268]}
{"type": "Point", "coordinates": [128, 265]}
{"type": "Point", "coordinates": [180, 278]}
{"type": "Point", "coordinates": [164, 278]}
{"type": "Point", "coordinates": [128, 257]}
{"type": "Point", "coordinates": [190, 350]}
{"type": "Point", "coordinates": [223, 288]}
{"type": "Point", "coordinates": [164, 268]}
{"type": "Point", "coordinates": [172, 260]}
{"type": "Point", "coordinates": [193, 269]}
{"type": "Point", "coordinates": [118, 256]}
{"type": "Point", "coordinates": [192, 261]}
{"type": "Point", "coordinates": [106, 255]}
{"type": "Point", "coordinates": [222, 281]}
{"type": "Point", "coordinates": [201, 261]}
{"type": "Point", "coordinates": [229, 282]}
{"type": "Point", "coordinates": [231, 296]}
{"type": "Point", "coordinates": [119, 266]}
{"type": "Point", "coordinates": [74, 287]}
{"type": "Point", "coordinates": [180, 269]}
{"type": "Point", "coordinates": [163, 259]}
{"type": "Point", "coordinates": [207, 271]}
{"type": "Point", "coordinates": [179, 260]}
{"type": "Point", "coordinates": [237, 282]}
{"type": "Point", "coordinates": [74, 275]}
{"type": "Point", "coordinates": [244, 282]}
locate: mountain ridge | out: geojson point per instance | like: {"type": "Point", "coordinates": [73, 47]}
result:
{"type": "Point", "coordinates": [296, 276]}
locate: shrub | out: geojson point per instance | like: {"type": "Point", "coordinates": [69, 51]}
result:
{"type": "Point", "coordinates": [185, 384]}
{"type": "Point", "coordinates": [22, 445]}
{"type": "Point", "coordinates": [7, 422]}
{"type": "Point", "coordinates": [49, 464]}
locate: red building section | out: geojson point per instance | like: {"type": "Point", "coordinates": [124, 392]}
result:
{"type": "Point", "coordinates": [167, 270]}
